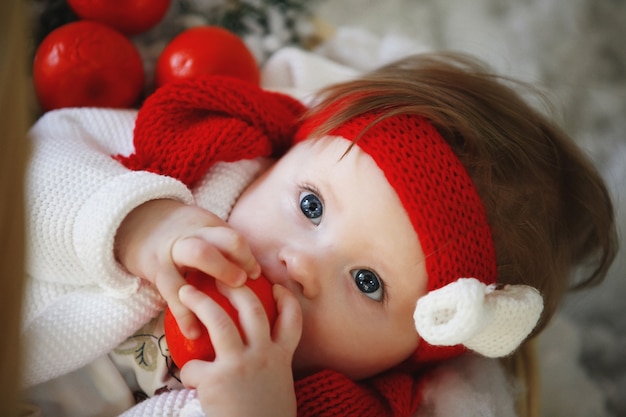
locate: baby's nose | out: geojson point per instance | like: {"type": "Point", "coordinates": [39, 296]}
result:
{"type": "Point", "coordinates": [303, 269]}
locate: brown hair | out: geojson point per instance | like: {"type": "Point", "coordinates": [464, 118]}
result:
{"type": "Point", "coordinates": [548, 208]}
{"type": "Point", "coordinates": [13, 152]}
{"type": "Point", "coordinates": [550, 212]}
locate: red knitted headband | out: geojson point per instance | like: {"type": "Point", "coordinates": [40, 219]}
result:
{"type": "Point", "coordinates": [438, 195]}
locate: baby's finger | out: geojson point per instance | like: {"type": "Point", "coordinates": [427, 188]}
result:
{"type": "Point", "coordinates": [252, 316]}
{"type": "Point", "coordinates": [224, 333]}
{"type": "Point", "coordinates": [194, 252]}
{"type": "Point", "coordinates": [168, 281]}
{"type": "Point", "coordinates": [233, 246]}
{"type": "Point", "coordinates": [288, 327]}
{"type": "Point", "coordinates": [194, 372]}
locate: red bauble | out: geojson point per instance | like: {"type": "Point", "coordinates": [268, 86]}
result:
{"type": "Point", "coordinates": [86, 63]}
{"type": "Point", "coordinates": [206, 50]}
{"type": "Point", "coordinates": [128, 16]}
{"type": "Point", "coordinates": [182, 349]}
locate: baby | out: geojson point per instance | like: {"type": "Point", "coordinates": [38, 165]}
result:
{"type": "Point", "coordinates": [414, 213]}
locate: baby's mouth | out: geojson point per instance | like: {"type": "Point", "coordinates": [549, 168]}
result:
{"type": "Point", "coordinates": [281, 278]}
{"type": "Point", "coordinates": [271, 273]}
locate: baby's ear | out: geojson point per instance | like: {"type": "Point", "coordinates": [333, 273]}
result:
{"type": "Point", "coordinates": [488, 320]}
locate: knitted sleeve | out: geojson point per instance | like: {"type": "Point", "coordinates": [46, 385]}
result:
{"type": "Point", "coordinates": [79, 303]}
{"type": "Point", "coordinates": [77, 196]}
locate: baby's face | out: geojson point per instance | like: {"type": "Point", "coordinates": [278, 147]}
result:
{"type": "Point", "coordinates": [333, 231]}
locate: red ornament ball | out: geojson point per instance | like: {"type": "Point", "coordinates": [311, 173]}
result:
{"type": "Point", "coordinates": [128, 16]}
{"type": "Point", "coordinates": [206, 50]}
{"type": "Point", "coordinates": [87, 64]}
{"type": "Point", "coordinates": [182, 349]}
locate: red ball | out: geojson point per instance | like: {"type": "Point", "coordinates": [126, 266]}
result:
{"type": "Point", "coordinates": [128, 16]}
{"type": "Point", "coordinates": [84, 64]}
{"type": "Point", "coordinates": [182, 349]}
{"type": "Point", "coordinates": [206, 50]}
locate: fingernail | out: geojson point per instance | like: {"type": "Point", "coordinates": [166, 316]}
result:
{"type": "Point", "coordinates": [242, 277]}
{"type": "Point", "coordinates": [187, 288]}
{"type": "Point", "coordinates": [193, 333]}
{"type": "Point", "coordinates": [257, 272]}
{"type": "Point", "coordinates": [223, 287]}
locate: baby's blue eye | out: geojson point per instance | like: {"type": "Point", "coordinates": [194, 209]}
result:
{"type": "Point", "coordinates": [311, 207]}
{"type": "Point", "coordinates": [368, 283]}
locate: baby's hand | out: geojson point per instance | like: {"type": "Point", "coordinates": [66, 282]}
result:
{"type": "Point", "coordinates": [250, 376]}
{"type": "Point", "coordinates": [161, 238]}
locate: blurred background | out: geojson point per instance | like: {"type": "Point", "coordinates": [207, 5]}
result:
{"type": "Point", "coordinates": [574, 50]}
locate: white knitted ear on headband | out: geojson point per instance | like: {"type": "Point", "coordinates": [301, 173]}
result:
{"type": "Point", "coordinates": [492, 322]}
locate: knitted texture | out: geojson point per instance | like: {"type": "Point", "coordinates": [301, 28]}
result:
{"type": "Point", "coordinates": [329, 393]}
{"type": "Point", "coordinates": [177, 403]}
{"type": "Point", "coordinates": [79, 303]}
{"type": "Point", "coordinates": [488, 321]}
{"type": "Point", "coordinates": [437, 194]}
{"type": "Point", "coordinates": [323, 394]}
{"type": "Point", "coordinates": [220, 119]}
